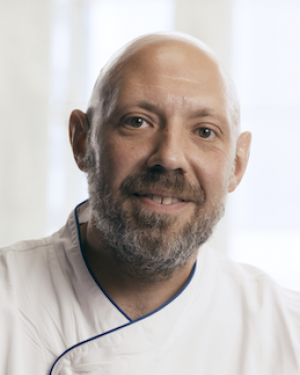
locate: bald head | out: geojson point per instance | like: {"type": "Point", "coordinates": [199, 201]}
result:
{"type": "Point", "coordinates": [176, 55]}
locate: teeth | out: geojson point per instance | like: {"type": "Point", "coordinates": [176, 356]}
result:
{"type": "Point", "coordinates": [166, 200]}
{"type": "Point", "coordinates": [157, 198]}
{"type": "Point", "coordinates": [163, 200]}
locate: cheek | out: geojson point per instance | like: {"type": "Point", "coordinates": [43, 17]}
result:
{"type": "Point", "coordinates": [213, 172]}
{"type": "Point", "coordinates": [121, 159]}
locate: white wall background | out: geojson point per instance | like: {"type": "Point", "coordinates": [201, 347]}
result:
{"type": "Point", "coordinates": [266, 61]}
{"type": "Point", "coordinates": [51, 52]}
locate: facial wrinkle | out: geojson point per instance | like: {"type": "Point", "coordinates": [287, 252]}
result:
{"type": "Point", "coordinates": [184, 79]}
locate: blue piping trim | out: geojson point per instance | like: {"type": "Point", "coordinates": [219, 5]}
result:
{"type": "Point", "coordinates": [86, 341]}
{"type": "Point", "coordinates": [130, 320]}
{"type": "Point", "coordinates": [90, 270]}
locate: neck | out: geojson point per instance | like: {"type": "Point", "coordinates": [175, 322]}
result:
{"type": "Point", "coordinates": [136, 292]}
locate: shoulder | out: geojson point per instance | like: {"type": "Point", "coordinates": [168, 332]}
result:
{"type": "Point", "coordinates": [256, 316]}
{"type": "Point", "coordinates": [250, 282]}
{"type": "Point", "coordinates": [241, 271]}
{"type": "Point", "coordinates": [24, 247]}
{"type": "Point", "coordinates": [24, 267]}
{"type": "Point", "coordinates": [253, 286]}
{"type": "Point", "coordinates": [30, 280]}
{"type": "Point", "coordinates": [22, 256]}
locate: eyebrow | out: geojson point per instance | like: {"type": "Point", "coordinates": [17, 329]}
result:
{"type": "Point", "coordinates": [148, 106]}
{"type": "Point", "coordinates": [205, 111]}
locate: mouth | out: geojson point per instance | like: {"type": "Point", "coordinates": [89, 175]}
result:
{"type": "Point", "coordinates": [161, 198]}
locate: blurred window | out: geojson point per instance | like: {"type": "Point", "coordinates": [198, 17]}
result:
{"type": "Point", "coordinates": [265, 221]}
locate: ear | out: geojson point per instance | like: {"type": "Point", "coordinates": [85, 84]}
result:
{"type": "Point", "coordinates": [78, 129]}
{"type": "Point", "coordinates": [241, 160]}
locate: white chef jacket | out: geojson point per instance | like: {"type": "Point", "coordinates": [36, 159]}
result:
{"type": "Point", "coordinates": [229, 319]}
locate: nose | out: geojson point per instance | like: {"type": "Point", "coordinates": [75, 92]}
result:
{"type": "Point", "coordinates": [169, 151]}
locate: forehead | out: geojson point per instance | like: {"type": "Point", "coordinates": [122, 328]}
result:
{"type": "Point", "coordinates": [175, 72]}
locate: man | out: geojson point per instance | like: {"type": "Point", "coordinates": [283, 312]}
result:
{"type": "Point", "coordinates": [128, 286]}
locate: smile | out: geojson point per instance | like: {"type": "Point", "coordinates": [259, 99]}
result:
{"type": "Point", "coordinates": [163, 200]}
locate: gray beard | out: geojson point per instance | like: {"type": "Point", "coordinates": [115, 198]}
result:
{"type": "Point", "coordinates": [144, 242]}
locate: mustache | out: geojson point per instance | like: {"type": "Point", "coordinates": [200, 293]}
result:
{"type": "Point", "coordinates": [174, 183]}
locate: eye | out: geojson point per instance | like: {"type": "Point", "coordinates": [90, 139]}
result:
{"type": "Point", "coordinates": [136, 122]}
{"type": "Point", "coordinates": [205, 133]}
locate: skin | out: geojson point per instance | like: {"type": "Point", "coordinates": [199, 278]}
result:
{"type": "Point", "coordinates": [172, 110]}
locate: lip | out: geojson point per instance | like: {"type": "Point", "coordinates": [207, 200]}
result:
{"type": "Point", "coordinates": [162, 193]}
{"type": "Point", "coordinates": [172, 208]}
